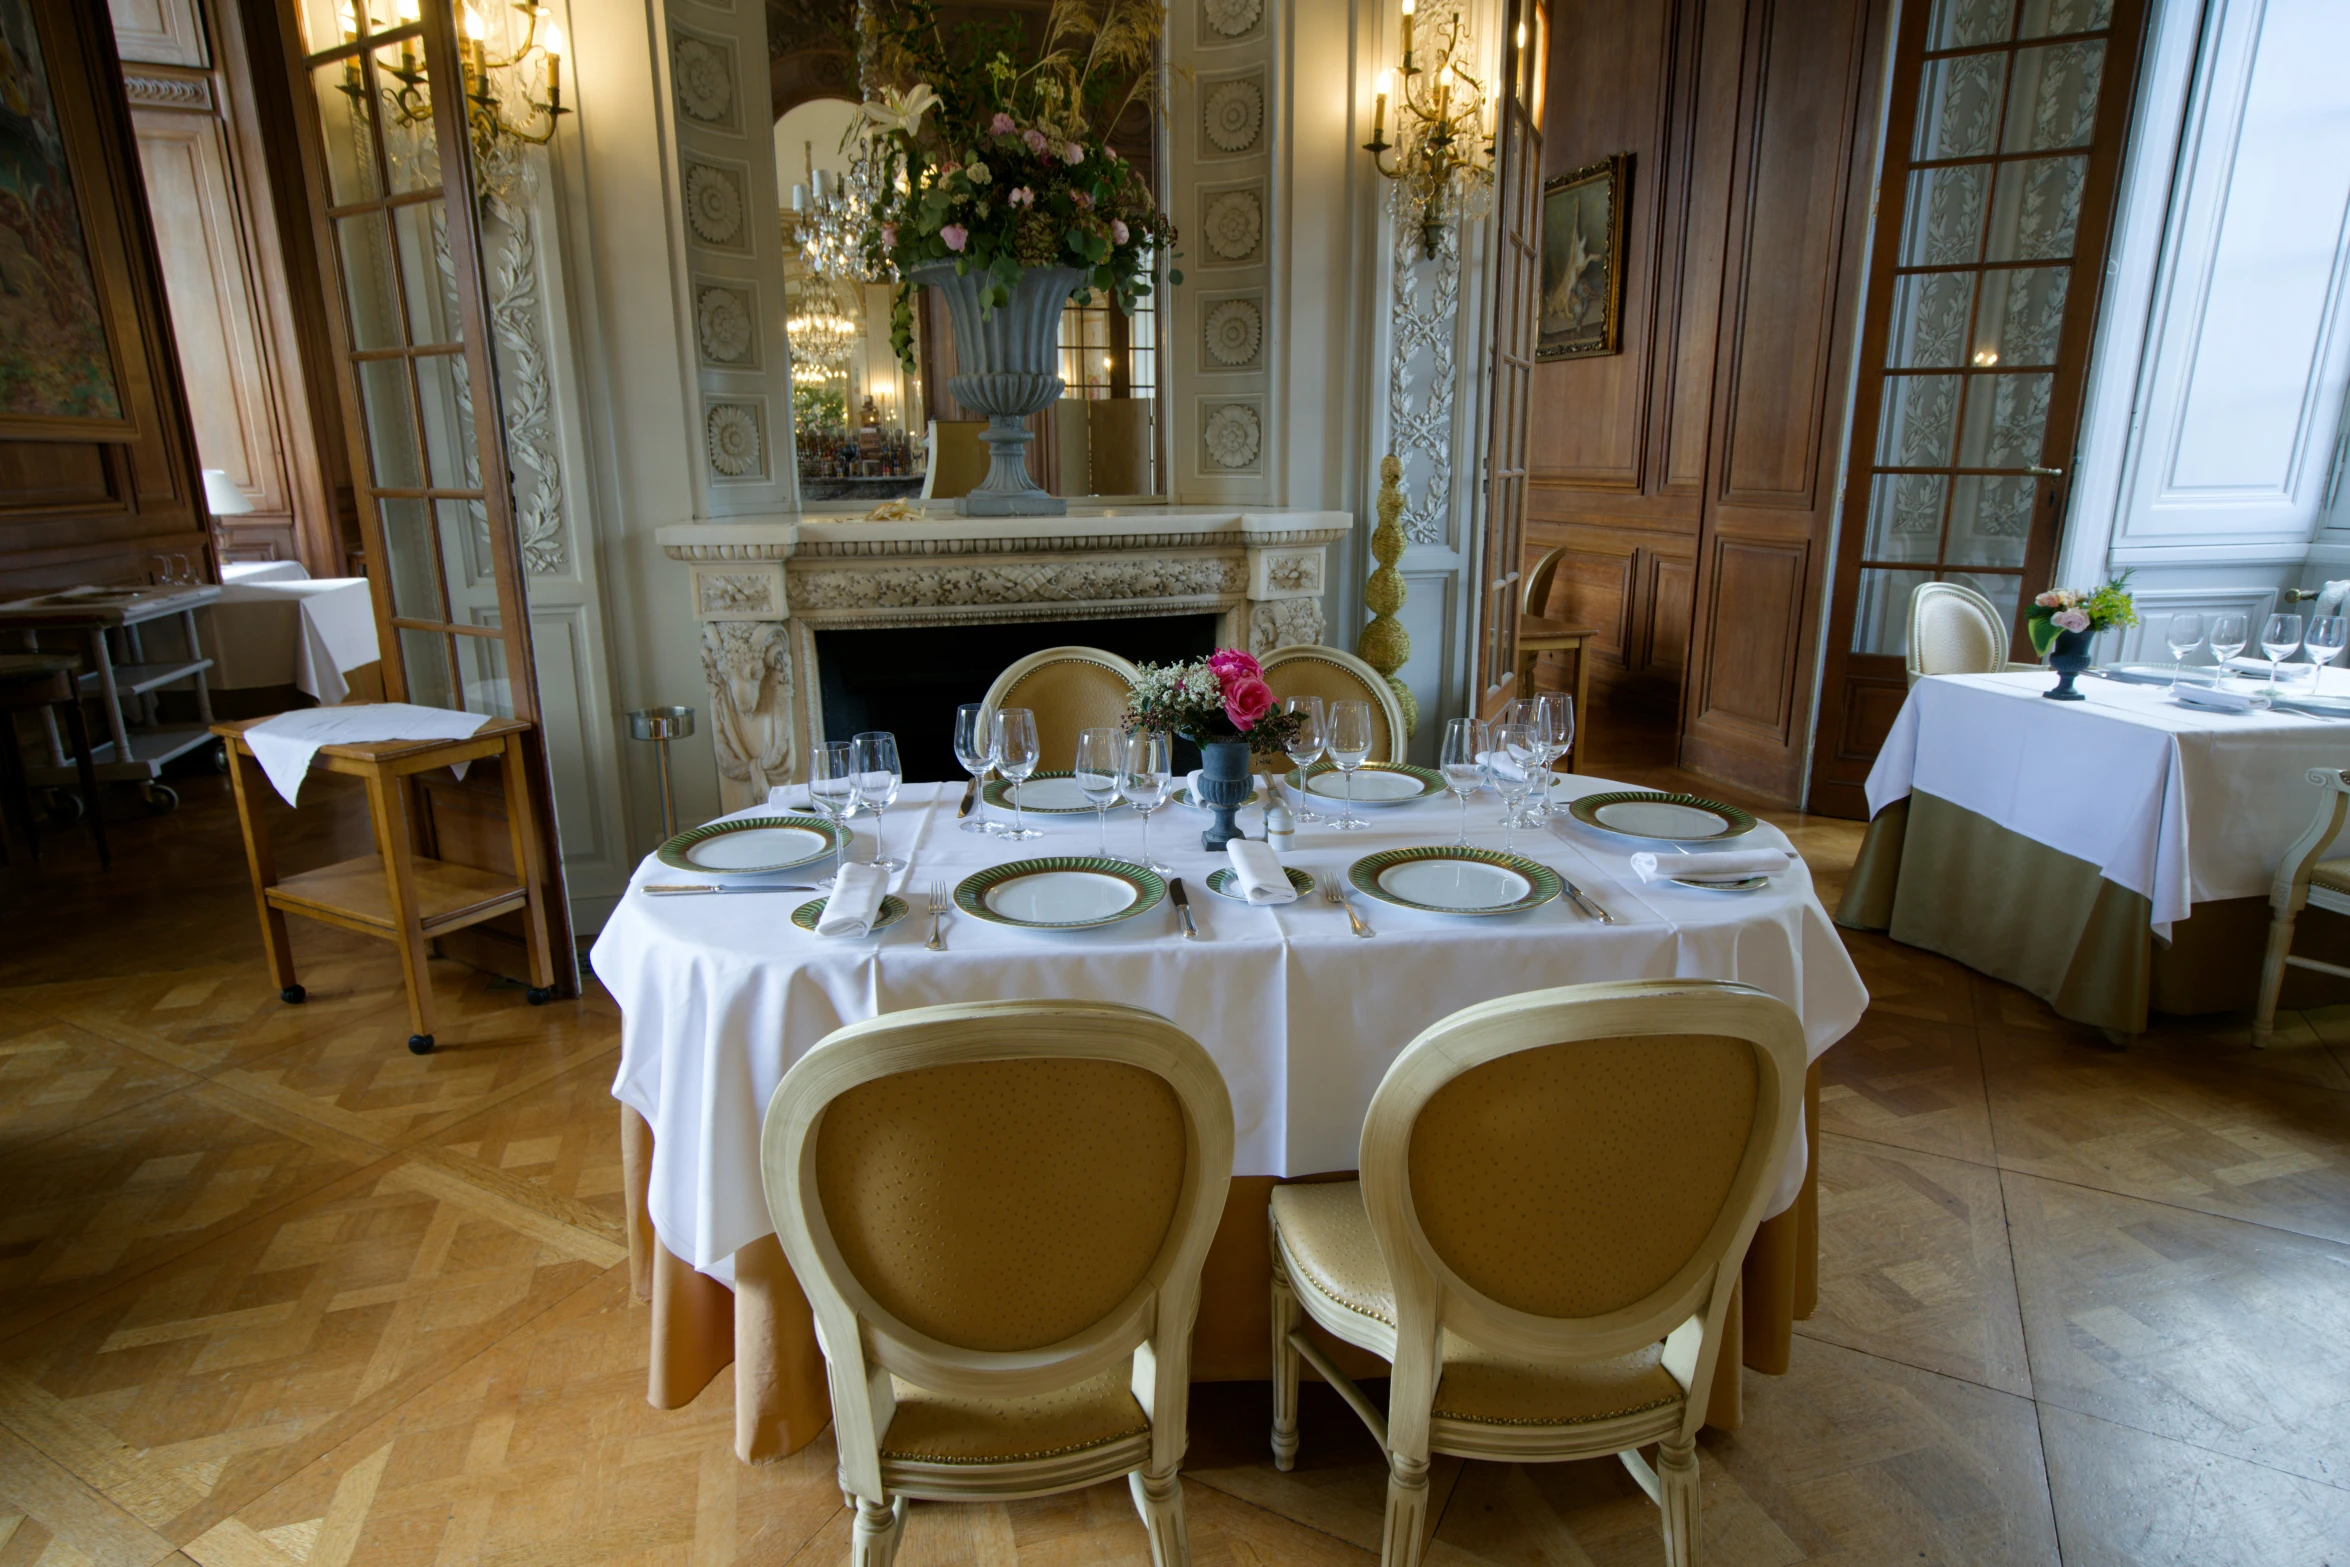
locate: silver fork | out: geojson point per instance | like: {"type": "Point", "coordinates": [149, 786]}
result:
{"type": "Point", "coordinates": [1330, 893]}
{"type": "Point", "coordinates": [938, 907]}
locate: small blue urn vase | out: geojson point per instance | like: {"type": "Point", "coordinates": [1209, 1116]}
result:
{"type": "Point", "coordinates": [1224, 787]}
{"type": "Point", "coordinates": [2069, 655]}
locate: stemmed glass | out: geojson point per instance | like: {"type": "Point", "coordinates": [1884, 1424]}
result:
{"type": "Point", "coordinates": [832, 789]}
{"type": "Point", "coordinates": [1350, 745]}
{"type": "Point", "coordinates": [1100, 752]}
{"type": "Point", "coordinates": [2280, 639]}
{"type": "Point", "coordinates": [1144, 782]}
{"type": "Point", "coordinates": [2327, 633]}
{"type": "Point", "coordinates": [1304, 747]}
{"type": "Point", "coordinates": [1557, 710]}
{"type": "Point", "coordinates": [2184, 634]}
{"type": "Point", "coordinates": [1464, 764]}
{"type": "Point", "coordinates": [1516, 754]}
{"type": "Point", "coordinates": [878, 779]}
{"type": "Point", "coordinates": [1014, 752]}
{"type": "Point", "coordinates": [2227, 639]}
{"type": "Point", "coordinates": [972, 738]}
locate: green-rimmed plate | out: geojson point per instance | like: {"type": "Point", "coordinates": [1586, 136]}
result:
{"type": "Point", "coordinates": [1453, 879]}
{"type": "Point", "coordinates": [1376, 783]}
{"type": "Point", "coordinates": [1660, 818]}
{"type": "Point", "coordinates": [893, 909]}
{"type": "Point", "coordinates": [753, 846]}
{"type": "Point", "coordinates": [1062, 892]}
{"type": "Point", "coordinates": [1047, 794]}
{"type": "Point", "coordinates": [1226, 884]}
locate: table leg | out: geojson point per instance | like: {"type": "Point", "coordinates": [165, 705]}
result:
{"type": "Point", "coordinates": [262, 861]}
{"type": "Point", "coordinates": [1582, 707]}
{"type": "Point", "coordinates": [523, 833]}
{"type": "Point", "coordinates": [87, 771]}
{"type": "Point", "coordinates": [103, 661]}
{"type": "Point", "coordinates": [387, 803]}
{"type": "Point", "coordinates": [203, 687]}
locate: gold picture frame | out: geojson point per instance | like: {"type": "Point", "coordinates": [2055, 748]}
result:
{"type": "Point", "coordinates": [1580, 309]}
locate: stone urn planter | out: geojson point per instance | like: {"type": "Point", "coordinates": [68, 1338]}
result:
{"type": "Point", "coordinates": [1225, 785]}
{"type": "Point", "coordinates": [1009, 361]}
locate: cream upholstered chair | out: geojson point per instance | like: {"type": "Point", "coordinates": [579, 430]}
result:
{"type": "Point", "coordinates": [1334, 676]}
{"type": "Point", "coordinates": [2305, 879]}
{"type": "Point", "coordinates": [1953, 630]}
{"type": "Point", "coordinates": [1557, 1193]}
{"type": "Point", "coordinates": [999, 1212]}
{"type": "Point", "coordinates": [1069, 689]}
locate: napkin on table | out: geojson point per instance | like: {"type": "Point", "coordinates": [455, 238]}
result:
{"type": "Point", "coordinates": [1721, 865]}
{"type": "Point", "coordinates": [1261, 878]}
{"type": "Point", "coordinates": [2220, 700]}
{"type": "Point", "coordinates": [855, 901]}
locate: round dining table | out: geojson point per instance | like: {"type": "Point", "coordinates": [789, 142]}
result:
{"type": "Point", "coordinates": [720, 994]}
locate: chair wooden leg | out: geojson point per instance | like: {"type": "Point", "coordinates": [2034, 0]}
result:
{"type": "Point", "coordinates": [86, 770]}
{"type": "Point", "coordinates": [16, 798]}
{"type": "Point", "coordinates": [387, 801]}
{"type": "Point", "coordinates": [874, 1541]}
{"type": "Point", "coordinates": [1676, 1473]}
{"type": "Point", "coordinates": [1286, 1318]}
{"type": "Point", "coordinates": [1407, 1511]}
{"type": "Point", "coordinates": [1582, 746]}
{"type": "Point", "coordinates": [2272, 978]}
{"type": "Point", "coordinates": [1159, 1498]}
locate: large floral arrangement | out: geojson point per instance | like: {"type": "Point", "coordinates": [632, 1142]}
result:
{"type": "Point", "coordinates": [2070, 609]}
{"type": "Point", "coordinates": [999, 166]}
{"type": "Point", "coordinates": [1220, 697]}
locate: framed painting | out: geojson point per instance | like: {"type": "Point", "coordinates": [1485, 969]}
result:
{"type": "Point", "coordinates": [58, 376]}
{"type": "Point", "coordinates": [1583, 261]}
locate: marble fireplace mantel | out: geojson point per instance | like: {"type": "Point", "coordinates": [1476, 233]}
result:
{"type": "Point", "coordinates": [763, 589]}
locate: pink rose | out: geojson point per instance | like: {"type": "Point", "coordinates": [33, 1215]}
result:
{"type": "Point", "coordinates": [1022, 196]}
{"type": "Point", "coordinates": [1246, 700]}
{"type": "Point", "coordinates": [1118, 231]}
{"type": "Point", "coordinates": [2071, 620]}
{"type": "Point", "coordinates": [2049, 600]}
{"type": "Point", "coordinates": [1035, 139]}
{"type": "Point", "coordinates": [1082, 198]}
{"type": "Point", "coordinates": [1073, 154]}
{"type": "Point", "coordinates": [1229, 664]}
{"type": "Point", "coordinates": [889, 236]}
{"type": "Point", "coordinates": [1001, 125]}
{"type": "Point", "coordinates": [955, 235]}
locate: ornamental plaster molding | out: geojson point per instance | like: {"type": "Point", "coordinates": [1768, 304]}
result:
{"type": "Point", "coordinates": [747, 664]}
{"type": "Point", "coordinates": [1284, 623]}
{"type": "Point", "coordinates": [1036, 582]}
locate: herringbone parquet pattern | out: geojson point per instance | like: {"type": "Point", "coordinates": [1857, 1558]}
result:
{"type": "Point", "coordinates": [274, 1293]}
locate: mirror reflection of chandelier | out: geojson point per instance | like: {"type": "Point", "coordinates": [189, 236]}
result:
{"type": "Point", "coordinates": [822, 331]}
{"type": "Point", "coordinates": [832, 214]}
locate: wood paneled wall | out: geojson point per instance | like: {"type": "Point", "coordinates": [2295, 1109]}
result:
{"type": "Point", "coordinates": [1690, 476]}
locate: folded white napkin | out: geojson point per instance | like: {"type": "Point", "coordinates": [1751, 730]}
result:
{"type": "Point", "coordinates": [1191, 785]}
{"type": "Point", "coordinates": [1722, 865]}
{"type": "Point", "coordinates": [1260, 875]}
{"type": "Point", "coordinates": [2219, 699]}
{"type": "Point", "coordinates": [855, 901]}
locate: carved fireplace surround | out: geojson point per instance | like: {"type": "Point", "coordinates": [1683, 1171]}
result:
{"type": "Point", "coordinates": [762, 590]}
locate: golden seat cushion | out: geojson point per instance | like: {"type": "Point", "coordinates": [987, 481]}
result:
{"type": "Point", "coordinates": [1328, 1234]}
{"type": "Point", "coordinates": [2333, 875]}
{"type": "Point", "coordinates": [1068, 696]}
{"type": "Point", "coordinates": [1486, 1388]}
{"type": "Point", "coordinates": [940, 1428]}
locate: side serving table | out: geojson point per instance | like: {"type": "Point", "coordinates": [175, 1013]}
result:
{"type": "Point", "coordinates": [128, 754]}
{"type": "Point", "coordinates": [396, 894]}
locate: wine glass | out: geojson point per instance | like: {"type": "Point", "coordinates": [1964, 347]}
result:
{"type": "Point", "coordinates": [878, 779]}
{"type": "Point", "coordinates": [2279, 639]}
{"type": "Point", "coordinates": [2327, 633]}
{"type": "Point", "coordinates": [1516, 754]}
{"type": "Point", "coordinates": [972, 737]}
{"type": "Point", "coordinates": [1304, 747]}
{"type": "Point", "coordinates": [1350, 744]}
{"type": "Point", "coordinates": [1144, 782]}
{"type": "Point", "coordinates": [2184, 634]}
{"type": "Point", "coordinates": [1464, 764]}
{"type": "Point", "coordinates": [1557, 710]}
{"type": "Point", "coordinates": [1014, 752]}
{"type": "Point", "coordinates": [1100, 753]}
{"type": "Point", "coordinates": [832, 789]}
{"type": "Point", "coordinates": [2227, 639]}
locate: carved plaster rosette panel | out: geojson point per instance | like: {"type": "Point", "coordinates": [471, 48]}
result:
{"type": "Point", "coordinates": [751, 591]}
{"type": "Point", "coordinates": [726, 324]}
{"type": "Point", "coordinates": [1232, 333]}
{"type": "Point", "coordinates": [1230, 21]}
{"type": "Point", "coordinates": [734, 438]}
{"type": "Point", "coordinates": [1232, 115]}
{"type": "Point", "coordinates": [1232, 435]}
{"type": "Point", "coordinates": [702, 76]}
{"type": "Point", "coordinates": [1277, 572]}
{"type": "Point", "coordinates": [1232, 225]}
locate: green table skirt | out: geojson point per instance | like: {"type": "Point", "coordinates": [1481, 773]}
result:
{"type": "Point", "coordinates": [1935, 875]}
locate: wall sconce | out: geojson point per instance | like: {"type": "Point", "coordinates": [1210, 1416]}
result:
{"type": "Point", "coordinates": [489, 78]}
{"type": "Point", "coordinates": [1443, 167]}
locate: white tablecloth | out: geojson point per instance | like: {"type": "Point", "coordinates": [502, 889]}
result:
{"type": "Point", "coordinates": [2180, 804]}
{"type": "Point", "coordinates": [720, 995]}
{"type": "Point", "coordinates": [307, 634]}
{"type": "Point", "coordinates": [263, 571]}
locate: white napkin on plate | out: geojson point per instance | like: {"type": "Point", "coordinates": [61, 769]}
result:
{"type": "Point", "coordinates": [855, 901]}
{"type": "Point", "coordinates": [1722, 865]}
{"type": "Point", "coordinates": [1260, 875]}
{"type": "Point", "coordinates": [2220, 700]}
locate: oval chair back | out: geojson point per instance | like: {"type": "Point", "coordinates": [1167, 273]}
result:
{"type": "Point", "coordinates": [1340, 677]}
{"type": "Point", "coordinates": [1069, 689]}
{"type": "Point", "coordinates": [1953, 630]}
{"type": "Point", "coordinates": [1538, 581]}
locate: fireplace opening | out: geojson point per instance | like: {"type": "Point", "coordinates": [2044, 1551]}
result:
{"type": "Point", "coordinates": [910, 679]}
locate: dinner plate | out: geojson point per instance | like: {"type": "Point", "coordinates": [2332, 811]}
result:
{"type": "Point", "coordinates": [1660, 818]}
{"type": "Point", "coordinates": [1376, 783]}
{"type": "Point", "coordinates": [753, 846]}
{"type": "Point", "coordinates": [1452, 879]}
{"type": "Point", "coordinates": [1743, 884]}
{"type": "Point", "coordinates": [1047, 794]}
{"type": "Point", "coordinates": [1186, 797]}
{"type": "Point", "coordinates": [1063, 892]}
{"type": "Point", "coordinates": [1226, 884]}
{"type": "Point", "coordinates": [893, 909]}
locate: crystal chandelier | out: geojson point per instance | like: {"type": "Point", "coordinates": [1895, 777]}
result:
{"type": "Point", "coordinates": [821, 330]}
{"type": "Point", "coordinates": [1443, 169]}
{"type": "Point", "coordinates": [831, 217]}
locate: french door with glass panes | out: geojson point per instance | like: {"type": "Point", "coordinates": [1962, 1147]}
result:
{"type": "Point", "coordinates": [388, 161]}
{"type": "Point", "coordinates": [2003, 145]}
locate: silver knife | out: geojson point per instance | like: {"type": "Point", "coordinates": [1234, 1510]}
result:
{"type": "Point", "coordinates": [1182, 902]}
{"type": "Point", "coordinates": [677, 889]}
{"type": "Point", "coordinates": [970, 795]}
{"type": "Point", "coordinates": [1585, 904]}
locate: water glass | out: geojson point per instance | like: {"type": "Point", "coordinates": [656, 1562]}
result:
{"type": "Point", "coordinates": [1304, 748]}
{"type": "Point", "coordinates": [1350, 746]}
{"type": "Point", "coordinates": [1463, 763]}
{"type": "Point", "coordinates": [2280, 639]}
{"type": "Point", "coordinates": [832, 790]}
{"type": "Point", "coordinates": [1100, 754]}
{"type": "Point", "coordinates": [2327, 633]}
{"type": "Point", "coordinates": [1014, 752]}
{"type": "Point", "coordinates": [878, 779]}
{"type": "Point", "coordinates": [2184, 634]}
{"type": "Point", "coordinates": [2228, 633]}
{"type": "Point", "coordinates": [1514, 758]}
{"type": "Point", "coordinates": [1145, 781]}
{"type": "Point", "coordinates": [973, 733]}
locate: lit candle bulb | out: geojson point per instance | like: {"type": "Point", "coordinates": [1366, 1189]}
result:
{"type": "Point", "coordinates": [1409, 6]}
{"type": "Point", "coordinates": [1386, 84]}
{"type": "Point", "coordinates": [553, 41]}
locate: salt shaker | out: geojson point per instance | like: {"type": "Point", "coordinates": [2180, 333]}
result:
{"type": "Point", "coordinates": [1280, 829]}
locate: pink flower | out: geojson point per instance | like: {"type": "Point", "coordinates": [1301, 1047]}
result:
{"type": "Point", "coordinates": [1073, 154]}
{"type": "Point", "coordinates": [1111, 153]}
{"type": "Point", "coordinates": [1035, 139]}
{"type": "Point", "coordinates": [1082, 198]}
{"type": "Point", "coordinates": [2071, 620]}
{"type": "Point", "coordinates": [1118, 231]}
{"type": "Point", "coordinates": [889, 236]}
{"type": "Point", "coordinates": [1231, 663]}
{"type": "Point", "coordinates": [2049, 600]}
{"type": "Point", "coordinates": [1001, 125]}
{"type": "Point", "coordinates": [1246, 700]}
{"type": "Point", "coordinates": [955, 235]}
{"type": "Point", "coordinates": [1022, 196]}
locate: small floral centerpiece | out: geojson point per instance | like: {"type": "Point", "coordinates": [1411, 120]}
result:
{"type": "Point", "coordinates": [2069, 609]}
{"type": "Point", "coordinates": [1222, 697]}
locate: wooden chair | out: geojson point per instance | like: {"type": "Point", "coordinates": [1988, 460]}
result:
{"type": "Point", "coordinates": [1557, 1192]}
{"type": "Point", "coordinates": [957, 462]}
{"type": "Point", "coordinates": [2305, 878]}
{"type": "Point", "coordinates": [30, 682]}
{"type": "Point", "coordinates": [1340, 677]}
{"type": "Point", "coordinates": [1070, 689]}
{"type": "Point", "coordinates": [1538, 634]}
{"type": "Point", "coordinates": [1953, 630]}
{"type": "Point", "coordinates": [999, 1212]}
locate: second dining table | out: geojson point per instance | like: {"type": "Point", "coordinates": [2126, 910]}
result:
{"type": "Point", "coordinates": [721, 994]}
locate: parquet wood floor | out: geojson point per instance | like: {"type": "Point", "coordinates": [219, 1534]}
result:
{"type": "Point", "coordinates": [275, 1293]}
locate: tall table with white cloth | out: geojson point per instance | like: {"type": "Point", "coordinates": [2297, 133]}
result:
{"type": "Point", "coordinates": [720, 995]}
{"type": "Point", "coordinates": [310, 633]}
{"type": "Point", "coordinates": [2112, 856]}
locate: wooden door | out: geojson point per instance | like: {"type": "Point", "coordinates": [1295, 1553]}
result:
{"type": "Point", "coordinates": [388, 162]}
{"type": "Point", "coordinates": [2007, 120]}
{"type": "Point", "coordinates": [1516, 286]}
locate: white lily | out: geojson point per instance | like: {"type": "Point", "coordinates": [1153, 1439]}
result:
{"type": "Point", "coordinates": [899, 111]}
